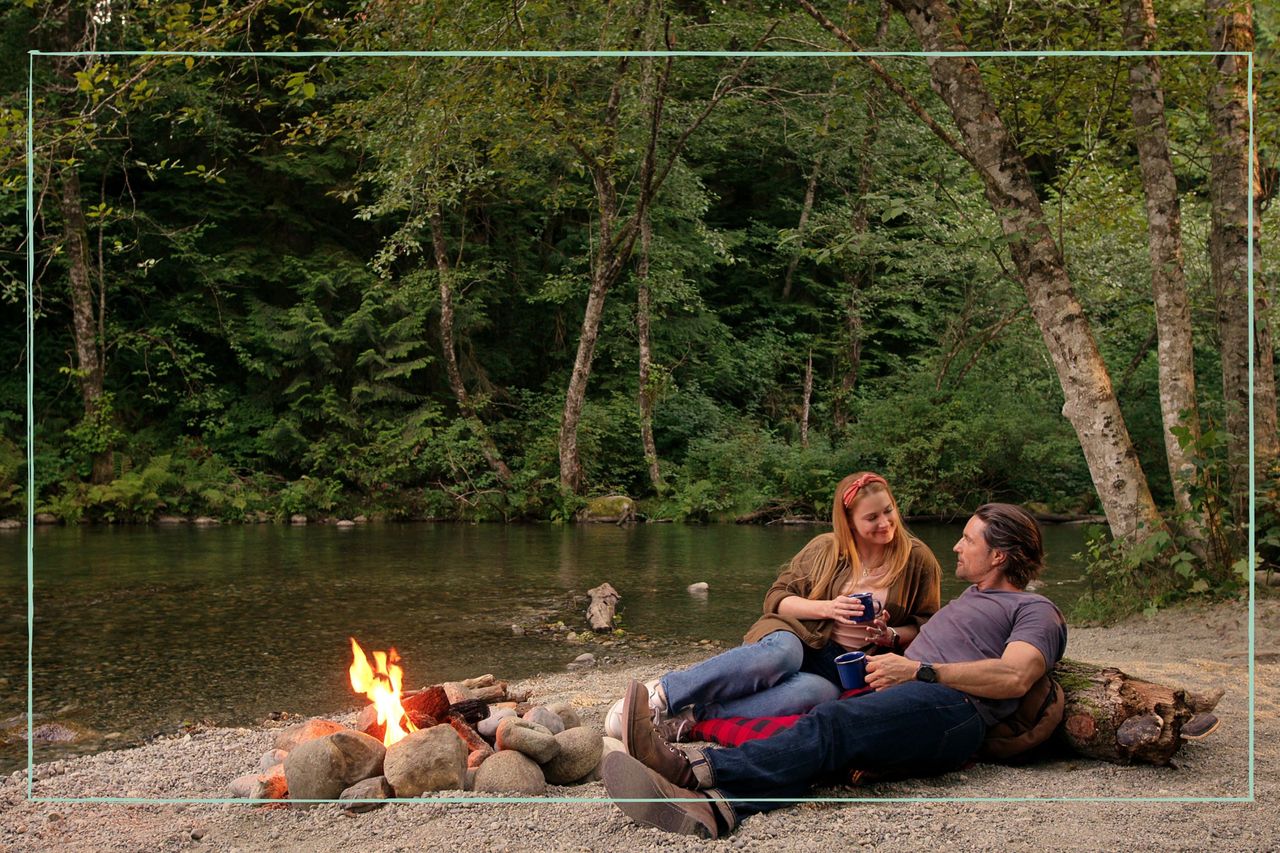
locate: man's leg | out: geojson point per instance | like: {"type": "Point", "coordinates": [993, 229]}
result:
{"type": "Point", "coordinates": [909, 729]}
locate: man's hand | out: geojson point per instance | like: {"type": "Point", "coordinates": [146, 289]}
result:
{"type": "Point", "coordinates": [887, 670]}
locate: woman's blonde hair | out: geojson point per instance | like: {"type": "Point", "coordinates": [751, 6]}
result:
{"type": "Point", "coordinates": [825, 556]}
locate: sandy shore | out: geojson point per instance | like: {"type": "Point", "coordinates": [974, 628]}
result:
{"type": "Point", "coordinates": [1199, 648]}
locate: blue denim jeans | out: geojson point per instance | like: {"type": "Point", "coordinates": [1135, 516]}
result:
{"type": "Point", "coordinates": [777, 675]}
{"type": "Point", "coordinates": [911, 729]}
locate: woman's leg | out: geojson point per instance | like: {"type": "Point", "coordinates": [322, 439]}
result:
{"type": "Point", "coordinates": [795, 694]}
{"type": "Point", "coordinates": [738, 672]}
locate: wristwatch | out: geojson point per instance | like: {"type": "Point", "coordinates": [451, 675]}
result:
{"type": "Point", "coordinates": [927, 673]}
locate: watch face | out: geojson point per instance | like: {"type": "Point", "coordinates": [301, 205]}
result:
{"type": "Point", "coordinates": [927, 673]}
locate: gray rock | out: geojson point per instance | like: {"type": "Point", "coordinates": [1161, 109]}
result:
{"type": "Point", "coordinates": [46, 518]}
{"type": "Point", "coordinates": [360, 519]}
{"type": "Point", "coordinates": [433, 759]}
{"type": "Point", "coordinates": [580, 751]}
{"type": "Point", "coordinates": [530, 738]}
{"type": "Point", "coordinates": [10, 524]}
{"type": "Point", "coordinates": [170, 519]}
{"type": "Point", "coordinates": [546, 718]}
{"type": "Point", "coordinates": [376, 788]}
{"type": "Point", "coordinates": [517, 631]}
{"type": "Point", "coordinates": [271, 785]}
{"type": "Point", "coordinates": [242, 786]}
{"type": "Point", "coordinates": [323, 768]}
{"type": "Point", "coordinates": [510, 771]}
{"type": "Point", "coordinates": [567, 713]}
{"type": "Point", "coordinates": [298, 518]}
{"type": "Point", "coordinates": [290, 738]}
{"type": "Point", "coordinates": [205, 521]}
{"type": "Point", "coordinates": [345, 523]}
{"type": "Point", "coordinates": [270, 759]}
{"type": "Point", "coordinates": [488, 727]}
{"type": "Point", "coordinates": [699, 588]}
{"type": "Point", "coordinates": [586, 659]}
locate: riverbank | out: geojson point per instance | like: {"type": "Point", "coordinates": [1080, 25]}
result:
{"type": "Point", "coordinates": [1199, 648]}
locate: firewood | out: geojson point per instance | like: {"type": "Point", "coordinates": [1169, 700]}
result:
{"type": "Point", "coordinates": [471, 710]}
{"type": "Point", "coordinates": [1116, 717]}
{"type": "Point", "coordinates": [479, 681]}
{"type": "Point", "coordinates": [604, 598]}
{"type": "Point", "coordinates": [469, 735]}
{"type": "Point", "coordinates": [431, 701]}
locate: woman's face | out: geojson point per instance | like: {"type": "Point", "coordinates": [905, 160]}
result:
{"type": "Point", "coordinates": [873, 519]}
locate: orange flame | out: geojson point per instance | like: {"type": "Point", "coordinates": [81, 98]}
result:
{"type": "Point", "coordinates": [381, 683]}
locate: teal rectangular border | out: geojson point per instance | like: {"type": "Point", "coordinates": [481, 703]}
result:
{"type": "Point", "coordinates": [1252, 545]}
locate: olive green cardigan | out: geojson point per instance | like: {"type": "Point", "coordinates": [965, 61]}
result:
{"type": "Point", "coordinates": [911, 600]}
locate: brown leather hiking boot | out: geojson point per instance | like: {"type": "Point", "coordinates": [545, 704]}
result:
{"type": "Point", "coordinates": [677, 729]}
{"type": "Point", "coordinates": [682, 811]}
{"type": "Point", "coordinates": [646, 744]}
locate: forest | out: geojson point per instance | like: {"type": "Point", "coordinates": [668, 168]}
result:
{"type": "Point", "coordinates": [279, 269]}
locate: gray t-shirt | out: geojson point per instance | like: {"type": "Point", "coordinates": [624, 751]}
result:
{"type": "Point", "coordinates": [978, 624]}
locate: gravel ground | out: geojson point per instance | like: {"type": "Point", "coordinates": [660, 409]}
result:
{"type": "Point", "coordinates": [1197, 648]}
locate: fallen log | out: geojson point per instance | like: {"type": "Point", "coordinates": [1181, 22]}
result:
{"type": "Point", "coordinates": [1116, 717]}
{"type": "Point", "coordinates": [604, 598]}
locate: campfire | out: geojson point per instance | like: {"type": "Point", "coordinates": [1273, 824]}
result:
{"type": "Point", "coordinates": [474, 734]}
{"type": "Point", "coordinates": [381, 684]}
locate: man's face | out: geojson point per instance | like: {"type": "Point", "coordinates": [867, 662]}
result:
{"type": "Point", "coordinates": [976, 562]}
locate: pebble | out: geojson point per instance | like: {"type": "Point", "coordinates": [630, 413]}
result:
{"type": "Point", "coordinates": [197, 834]}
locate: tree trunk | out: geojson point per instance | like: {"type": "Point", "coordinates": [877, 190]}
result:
{"type": "Point", "coordinates": [1164, 237]}
{"type": "Point", "coordinates": [445, 273]}
{"type": "Point", "coordinates": [1090, 405]}
{"type": "Point", "coordinates": [602, 276]}
{"type": "Point", "coordinates": [647, 392]}
{"type": "Point", "coordinates": [806, 210]}
{"type": "Point", "coordinates": [1231, 196]}
{"type": "Point", "coordinates": [860, 278]}
{"type": "Point", "coordinates": [808, 394]}
{"type": "Point", "coordinates": [87, 332]}
{"type": "Point", "coordinates": [1118, 718]}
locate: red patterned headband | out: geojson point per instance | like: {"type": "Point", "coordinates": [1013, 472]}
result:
{"type": "Point", "coordinates": [854, 487]}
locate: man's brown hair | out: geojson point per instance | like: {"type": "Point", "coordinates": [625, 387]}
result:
{"type": "Point", "coordinates": [1012, 531]}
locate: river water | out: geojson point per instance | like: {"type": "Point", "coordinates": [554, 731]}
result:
{"type": "Point", "coordinates": [140, 629]}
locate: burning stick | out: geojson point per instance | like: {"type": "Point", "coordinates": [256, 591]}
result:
{"type": "Point", "coordinates": [381, 683]}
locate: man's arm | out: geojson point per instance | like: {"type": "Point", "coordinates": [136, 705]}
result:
{"type": "Point", "coordinates": [1007, 677]}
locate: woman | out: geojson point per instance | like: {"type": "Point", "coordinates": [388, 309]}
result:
{"type": "Point", "coordinates": [787, 662]}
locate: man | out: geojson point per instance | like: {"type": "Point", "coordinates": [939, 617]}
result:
{"type": "Point", "coordinates": [928, 714]}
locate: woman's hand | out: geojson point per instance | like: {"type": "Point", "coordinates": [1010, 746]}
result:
{"type": "Point", "coordinates": [844, 608]}
{"type": "Point", "coordinates": [879, 631]}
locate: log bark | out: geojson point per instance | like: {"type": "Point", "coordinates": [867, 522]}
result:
{"type": "Point", "coordinates": [604, 599]}
{"type": "Point", "coordinates": [1090, 403]}
{"type": "Point", "coordinates": [1174, 348]}
{"type": "Point", "coordinates": [1118, 718]}
{"type": "Point", "coordinates": [1231, 196]}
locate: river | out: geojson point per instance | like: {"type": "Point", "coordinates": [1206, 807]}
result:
{"type": "Point", "coordinates": [140, 629]}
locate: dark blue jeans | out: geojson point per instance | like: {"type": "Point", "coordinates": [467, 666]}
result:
{"type": "Point", "coordinates": [911, 729]}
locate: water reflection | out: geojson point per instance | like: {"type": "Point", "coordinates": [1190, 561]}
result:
{"type": "Point", "coordinates": [139, 629]}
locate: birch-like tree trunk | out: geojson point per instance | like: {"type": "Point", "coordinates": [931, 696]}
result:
{"type": "Point", "coordinates": [808, 396]}
{"type": "Point", "coordinates": [647, 395]}
{"type": "Point", "coordinates": [1231, 196]}
{"type": "Point", "coordinates": [1174, 349]}
{"type": "Point", "coordinates": [444, 272]}
{"type": "Point", "coordinates": [1090, 405]}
